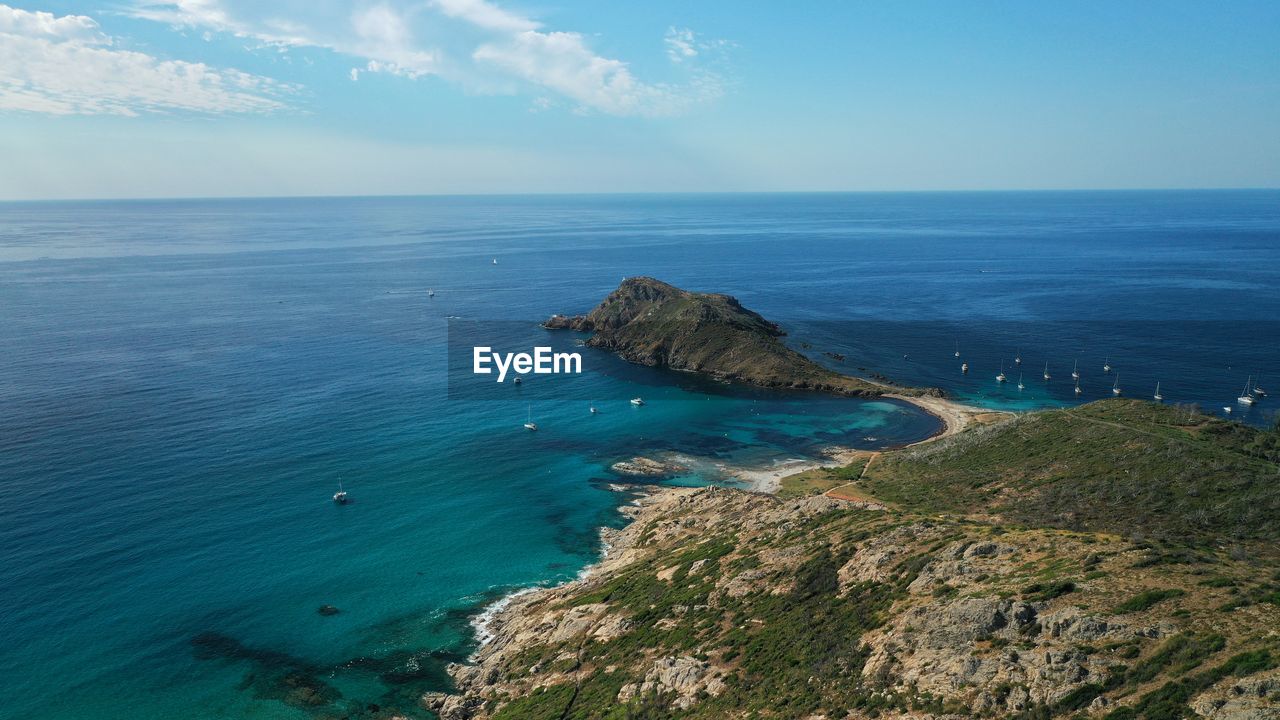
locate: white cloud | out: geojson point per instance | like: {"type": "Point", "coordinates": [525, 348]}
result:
{"type": "Point", "coordinates": [47, 26]}
{"type": "Point", "coordinates": [680, 44]}
{"type": "Point", "coordinates": [476, 43]}
{"type": "Point", "coordinates": [67, 66]}
{"type": "Point", "coordinates": [485, 15]}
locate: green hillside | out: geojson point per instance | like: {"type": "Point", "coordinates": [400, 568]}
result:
{"type": "Point", "coordinates": [1121, 466]}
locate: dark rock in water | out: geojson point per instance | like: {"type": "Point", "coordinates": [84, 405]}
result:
{"type": "Point", "coordinates": [649, 322]}
{"type": "Point", "coordinates": [327, 610]}
{"type": "Point", "coordinates": [834, 356]}
{"type": "Point", "coordinates": [647, 467]}
{"type": "Point", "coordinates": [302, 690]}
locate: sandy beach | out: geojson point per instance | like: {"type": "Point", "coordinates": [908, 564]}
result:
{"type": "Point", "coordinates": [955, 417]}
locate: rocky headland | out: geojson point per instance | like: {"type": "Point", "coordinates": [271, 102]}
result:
{"type": "Point", "coordinates": [957, 586]}
{"type": "Point", "coordinates": [649, 322]}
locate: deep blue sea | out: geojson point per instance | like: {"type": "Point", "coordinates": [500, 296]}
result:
{"type": "Point", "coordinates": [183, 384]}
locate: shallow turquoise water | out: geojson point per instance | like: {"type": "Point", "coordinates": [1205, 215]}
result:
{"type": "Point", "coordinates": [185, 383]}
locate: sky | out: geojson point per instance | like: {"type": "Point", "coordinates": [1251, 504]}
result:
{"type": "Point", "coordinates": [211, 98]}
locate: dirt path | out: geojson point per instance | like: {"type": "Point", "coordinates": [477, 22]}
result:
{"type": "Point", "coordinates": [837, 492]}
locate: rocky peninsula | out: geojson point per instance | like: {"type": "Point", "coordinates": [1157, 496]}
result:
{"type": "Point", "coordinates": [1022, 568]}
{"type": "Point", "coordinates": [649, 322]}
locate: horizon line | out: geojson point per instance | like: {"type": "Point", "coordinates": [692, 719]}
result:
{"type": "Point", "coordinates": [629, 193]}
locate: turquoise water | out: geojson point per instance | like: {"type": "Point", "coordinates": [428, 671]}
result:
{"type": "Point", "coordinates": [184, 383]}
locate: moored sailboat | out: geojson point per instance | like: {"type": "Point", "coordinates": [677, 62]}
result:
{"type": "Point", "coordinates": [1245, 398]}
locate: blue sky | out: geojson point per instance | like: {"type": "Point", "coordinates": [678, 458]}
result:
{"type": "Point", "coordinates": [156, 98]}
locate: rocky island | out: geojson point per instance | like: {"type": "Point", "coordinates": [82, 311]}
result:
{"type": "Point", "coordinates": [1118, 560]}
{"type": "Point", "coordinates": [649, 322]}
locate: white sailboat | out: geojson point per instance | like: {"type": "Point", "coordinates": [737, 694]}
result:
{"type": "Point", "coordinates": [964, 367]}
{"type": "Point", "coordinates": [1226, 409]}
{"type": "Point", "coordinates": [637, 401]}
{"type": "Point", "coordinates": [1257, 391]}
{"type": "Point", "coordinates": [1245, 398]}
{"type": "Point", "coordinates": [1115, 388]}
{"type": "Point", "coordinates": [431, 293]}
{"type": "Point", "coordinates": [1075, 369]}
{"type": "Point", "coordinates": [1017, 357]}
{"type": "Point", "coordinates": [1106, 365]}
{"type": "Point", "coordinates": [531, 425]}
{"type": "Point", "coordinates": [1020, 385]}
{"type": "Point", "coordinates": [495, 261]}
{"type": "Point", "coordinates": [1001, 377]}
{"type": "Point", "coordinates": [1158, 397]}
{"type": "Point", "coordinates": [340, 497]}
{"type": "Point", "coordinates": [594, 410]}
{"type": "Point", "coordinates": [957, 348]}
{"type": "Point", "coordinates": [1078, 390]}
{"type": "Point", "coordinates": [1046, 370]}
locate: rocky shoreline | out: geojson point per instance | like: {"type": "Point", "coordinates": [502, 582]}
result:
{"type": "Point", "coordinates": [963, 626]}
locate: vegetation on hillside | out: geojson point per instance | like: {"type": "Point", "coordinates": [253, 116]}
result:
{"type": "Point", "coordinates": [1114, 561]}
{"type": "Point", "coordinates": [1123, 466]}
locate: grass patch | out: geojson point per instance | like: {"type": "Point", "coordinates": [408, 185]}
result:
{"type": "Point", "coordinates": [1147, 599]}
{"type": "Point", "coordinates": [820, 480]}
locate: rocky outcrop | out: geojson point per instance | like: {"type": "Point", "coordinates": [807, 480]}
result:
{"type": "Point", "coordinates": [681, 677]}
{"type": "Point", "coordinates": [647, 468]}
{"type": "Point", "coordinates": [1252, 698]}
{"type": "Point", "coordinates": [938, 649]}
{"type": "Point", "coordinates": [649, 322]}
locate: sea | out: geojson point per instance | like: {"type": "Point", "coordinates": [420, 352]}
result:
{"type": "Point", "coordinates": [185, 384]}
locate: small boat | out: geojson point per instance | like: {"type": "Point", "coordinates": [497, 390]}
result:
{"type": "Point", "coordinates": [637, 401]}
{"type": "Point", "coordinates": [495, 261]}
{"type": "Point", "coordinates": [1257, 391]}
{"type": "Point", "coordinates": [1106, 365]}
{"type": "Point", "coordinates": [1020, 385]}
{"type": "Point", "coordinates": [1075, 370]}
{"type": "Point", "coordinates": [431, 293]}
{"type": "Point", "coordinates": [1001, 377]}
{"type": "Point", "coordinates": [531, 425]}
{"type": "Point", "coordinates": [1115, 388]}
{"type": "Point", "coordinates": [518, 380]}
{"type": "Point", "coordinates": [957, 348]}
{"type": "Point", "coordinates": [1078, 390]}
{"type": "Point", "coordinates": [964, 367]}
{"type": "Point", "coordinates": [1046, 371]}
{"type": "Point", "coordinates": [1158, 397]}
{"type": "Point", "coordinates": [594, 410]}
{"type": "Point", "coordinates": [1245, 398]}
{"type": "Point", "coordinates": [1226, 409]}
{"type": "Point", "coordinates": [340, 497]}
{"type": "Point", "coordinates": [1017, 358]}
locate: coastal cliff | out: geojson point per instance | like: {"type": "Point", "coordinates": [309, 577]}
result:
{"type": "Point", "coordinates": [649, 322]}
{"type": "Point", "coordinates": [717, 603]}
